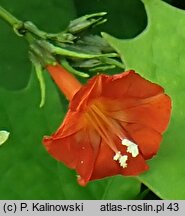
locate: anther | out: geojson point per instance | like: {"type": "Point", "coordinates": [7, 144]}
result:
{"type": "Point", "coordinates": [122, 161]}
{"type": "Point", "coordinates": [117, 156]}
{"type": "Point", "coordinates": [132, 148]}
{"type": "Point", "coordinates": [121, 158]}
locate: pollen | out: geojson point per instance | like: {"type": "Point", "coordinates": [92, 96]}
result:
{"type": "Point", "coordinates": [117, 156]}
{"type": "Point", "coordinates": [122, 161]}
{"type": "Point", "coordinates": [121, 158]}
{"type": "Point", "coordinates": [132, 148]}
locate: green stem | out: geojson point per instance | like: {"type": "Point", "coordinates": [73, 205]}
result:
{"type": "Point", "coordinates": [10, 19]}
{"type": "Point", "coordinates": [15, 23]}
{"type": "Point", "coordinates": [72, 70]}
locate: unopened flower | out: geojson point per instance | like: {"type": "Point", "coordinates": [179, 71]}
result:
{"type": "Point", "coordinates": [113, 125]}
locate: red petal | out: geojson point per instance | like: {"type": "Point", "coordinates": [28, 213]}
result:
{"type": "Point", "coordinates": [128, 84]}
{"type": "Point", "coordinates": [151, 112]}
{"type": "Point", "coordinates": [105, 165]}
{"type": "Point", "coordinates": [62, 150]}
{"type": "Point", "coordinates": [88, 92]}
{"type": "Point", "coordinates": [77, 151]}
{"type": "Point", "coordinates": [146, 138]}
{"type": "Point", "coordinates": [155, 114]}
{"type": "Point", "coordinates": [143, 101]}
{"type": "Point", "coordinates": [72, 123]}
{"type": "Point", "coordinates": [135, 166]}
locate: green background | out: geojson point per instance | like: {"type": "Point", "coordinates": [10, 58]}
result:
{"type": "Point", "coordinates": [27, 171]}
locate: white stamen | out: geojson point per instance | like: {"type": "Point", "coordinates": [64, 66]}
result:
{"type": "Point", "coordinates": [131, 147]}
{"type": "Point", "coordinates": [81, 162]}
{"type": "Point", "coordinates": [122, 161]}
{"type": "Point", "coordinates": [117, 156]}
{"type": "Point", "coordinates": [126, 142]}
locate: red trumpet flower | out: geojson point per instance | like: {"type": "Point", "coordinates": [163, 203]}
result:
{"type": "Point", "coordinates": [114, 123]}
